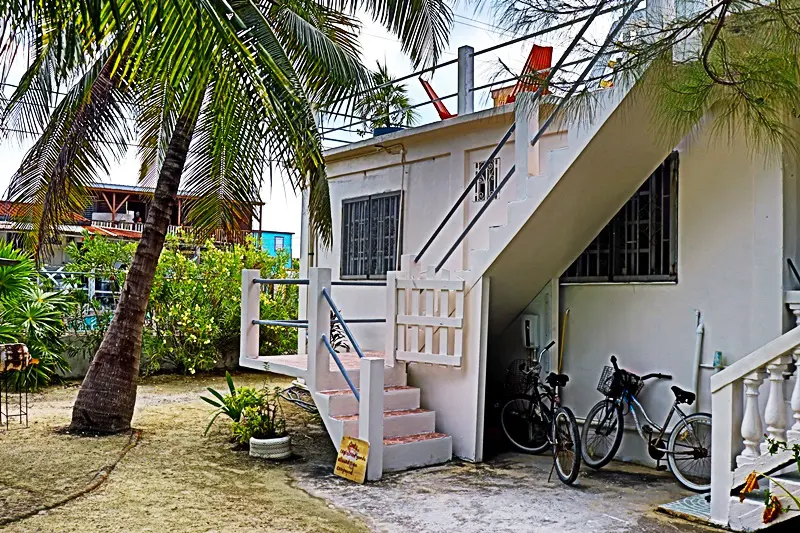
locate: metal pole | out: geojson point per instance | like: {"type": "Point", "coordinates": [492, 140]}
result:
{"type": "Point", "coordinates": [466, 80]}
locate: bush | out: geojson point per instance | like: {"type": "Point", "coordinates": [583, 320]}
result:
{"type": "Point", "coordinates": [33, 316]}
{"type": "Point", "coordinates": [234, 403]}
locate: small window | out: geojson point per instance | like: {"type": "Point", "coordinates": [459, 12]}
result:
{"type": "Point", "coordinates": [487, 183]}
{"type": "Point", "coordinates": [278, 243]}
{"type": "Point", "coordinates": [641, 242]}
{"type": "Point", "coordinates": [370, 227]}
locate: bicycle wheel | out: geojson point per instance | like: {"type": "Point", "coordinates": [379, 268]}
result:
{"type": "Point", "coordinates": [566, 445]}
{"type": "Point", "coordinates": [602, 433]}
{"type": "Point", "coordinates": [523, 427]}
{"type": "Point", "coordinates": [689, 452]}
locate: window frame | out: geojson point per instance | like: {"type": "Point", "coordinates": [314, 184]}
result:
{"type": "Point", "coordinates": [615, 247]}
{"type": "Point", "coordinates": [369, 252]}
{"type": "Point", "coordinates": [275, 243]}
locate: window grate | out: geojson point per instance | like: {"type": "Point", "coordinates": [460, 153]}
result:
{"type": "Point", "coordinates": [370, 236]}
{"type": "Point", "coordinates": [487, 183]}
{"type": "Point", "coordinates": [640, 242]}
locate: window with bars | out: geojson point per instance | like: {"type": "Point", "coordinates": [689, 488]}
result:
{"type": "Point", "coordinates": [278, 243]}
{"type": "Point", "coordinates": [641, 241]}
{"type": "Point", "coordinates": [487, 183]}
{"type": "Point", "coordinates": [370, 228]}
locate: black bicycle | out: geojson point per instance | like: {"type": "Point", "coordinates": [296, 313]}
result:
{"type": "Point", "coordinates": [536, 420]}
{"type": "Point", "coordinates": [688, 449]}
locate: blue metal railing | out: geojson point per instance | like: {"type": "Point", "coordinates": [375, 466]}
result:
{"type": "Point", "coordinates": [599, 9]}
{"type": "Point", "coordinates": [352, 283]}
{"type": "Point", "coordinates": [341, 320]}
{"type": "Point", "coordinates": [304, 323]}
{"type": "Point", "coordinates": [341, 367]}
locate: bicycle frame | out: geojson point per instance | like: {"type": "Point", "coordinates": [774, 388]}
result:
{"type": "Point", "coordinates": [633, 404]}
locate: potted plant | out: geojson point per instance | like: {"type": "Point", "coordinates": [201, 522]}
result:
{"type": "Point", "coordinates": [385, 109]}
{"type": "Point", "coordinates": [264, 427]}
{"type": "Point", "coordinates": [234, 403]}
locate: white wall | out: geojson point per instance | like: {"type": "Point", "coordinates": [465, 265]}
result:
{"type": "Point", "coordinates": [730, 261]}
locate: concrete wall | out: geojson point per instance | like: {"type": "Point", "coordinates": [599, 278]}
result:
{"type": "Point", "coordinates": [730, 263]}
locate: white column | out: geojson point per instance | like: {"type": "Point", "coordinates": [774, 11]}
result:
{"type": "Point", "coordinates": [251, 307]}
{"type": "Point", "coordinates": [775, 411]}
{"type": "Point", "coordinates": [466, 80]}
{"type": "Point", "coordinates": [752, 427]}
{"type": "Point", "coordinates": [795, 309]}
{"type": "Point", "coordinates": [319, 324]}
{"type": "Point", "coordinates": [726, 441]}
{"type": "Point", "coordinates": [794, 433]}
{"type": "Point", "coordinates": [390, 346]}
{"type": "Point", "coordinates": [370, 413]}
{"type": "Point", "coordinates": [526, 157]}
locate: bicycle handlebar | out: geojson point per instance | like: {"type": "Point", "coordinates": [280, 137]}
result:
{"type": "Point", "coordinates": [548, 346]}
{"type": "Point", "coordinates": [614, 362]}
{"type": "Point", "coordinates": [657, 376]}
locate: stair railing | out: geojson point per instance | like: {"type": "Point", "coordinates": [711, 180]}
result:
{"type": "Point", "coordinates": [536, 96]}
{"type": "Point", "coordinates": [740, 424]}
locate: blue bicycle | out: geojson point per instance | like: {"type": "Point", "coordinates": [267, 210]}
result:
{"type": "Point", "coordinates": [688, 448]}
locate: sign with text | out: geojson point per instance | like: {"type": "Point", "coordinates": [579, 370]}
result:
{"type": "Point", "coordinates": [351, 461]}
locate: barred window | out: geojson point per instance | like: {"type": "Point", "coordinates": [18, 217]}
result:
{"type": "Point", "coordinates": [641, 241]}
{"type": "Point", "coordinates": [370, 227]}
{"type": "Point", "coordinates": [487, 183]}
{"type": "Point", "coordinates": [278, 243]}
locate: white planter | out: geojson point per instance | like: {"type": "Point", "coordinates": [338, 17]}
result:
{"type": "Point", "coordinates": [280, 448]}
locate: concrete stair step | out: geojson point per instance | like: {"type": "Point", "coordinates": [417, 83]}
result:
{"type": "Point", "coordinates": [342, 402]}
{"type": "Point", "coordinates": [395, 423]}
{"type": "Point", "coordinates": [413, 451]}
{"type": "Point", "coordinates": [747, 515]}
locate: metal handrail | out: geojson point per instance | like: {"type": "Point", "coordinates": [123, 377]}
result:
{"type": "Point", "coordinates": [574, 87]}
{"type": "Point", "coordinates": [347, 331]}
{"type": "Point", "coordinates": [359, 283]}
{"type": "Point", "coordinates": [280, 281]}
{"type": "Point", "coordinates": [539, 91]}
{"type": "Point", "coordinates": [341, 367]}
{"type": "Point", "coordinates": [304, 323]}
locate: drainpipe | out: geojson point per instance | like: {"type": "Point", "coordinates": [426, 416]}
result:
{"type": "Point", "coordinates": [698, 357]}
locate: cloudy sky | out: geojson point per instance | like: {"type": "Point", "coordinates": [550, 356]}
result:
{"type": "Point", "coordinates": [282, 209]}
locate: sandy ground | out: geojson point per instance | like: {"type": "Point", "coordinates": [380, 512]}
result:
{"type": "Point", "coordinates": [176, 480]}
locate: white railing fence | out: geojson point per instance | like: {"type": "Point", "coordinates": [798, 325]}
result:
{"type": "Point", "coordinates": [743, 420]}
{"type": "Point", "coordinates": [425, 314]}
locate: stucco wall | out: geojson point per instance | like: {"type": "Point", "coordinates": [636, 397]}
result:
{"type": "Point", "coordinates": [730, 261]}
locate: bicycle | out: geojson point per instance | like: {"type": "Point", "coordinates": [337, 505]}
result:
{"type": "Point", "coordinates": [688, 449]}
{"type": "Point", "coordinates": [536, 420]}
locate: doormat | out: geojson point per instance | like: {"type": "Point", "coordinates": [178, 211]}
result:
{"type": "Point", "coordinates": [696, 508]}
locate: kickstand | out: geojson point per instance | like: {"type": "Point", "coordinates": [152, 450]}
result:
{"type": "Point", "coordinates": [551, 471]}
{"type": "Point", "coordinates": [659, 466]}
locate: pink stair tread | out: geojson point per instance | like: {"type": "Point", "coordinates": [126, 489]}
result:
{"type": "Point", "coordinates": [386, 414]}
{"type": "Point", "coordinates": [419, 437]}
{"type": "Point", "coordinates": [343, 392]}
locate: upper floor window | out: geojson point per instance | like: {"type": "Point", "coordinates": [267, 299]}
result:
{"type": "Point", "coordinates": [370, 227]}
{"type": "Point", "coordinates": [641, 241]}
{"type": "Point", "coordinates": [278, 243]}
{"type": "Point", "coordinates": [487, 183]}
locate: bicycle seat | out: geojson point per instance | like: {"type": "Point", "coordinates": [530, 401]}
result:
{"type": "Point", "coordinates": [683, 396]}
{"type": "Point", "coordinates": [557, 380]}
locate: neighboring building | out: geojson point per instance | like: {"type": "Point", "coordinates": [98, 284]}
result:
{"type": "Point", "coordinates": [115, 211]}
{"type": "Point", "coordinates": [277, 241]}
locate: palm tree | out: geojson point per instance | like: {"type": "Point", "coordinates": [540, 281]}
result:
{"type": "Point", "coordinates": [214, 89]}
{"type": "Point", "coordinates": [388, 105]}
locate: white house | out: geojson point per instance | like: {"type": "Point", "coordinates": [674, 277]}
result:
{"type": "Point", "coordinates": [616, 239]}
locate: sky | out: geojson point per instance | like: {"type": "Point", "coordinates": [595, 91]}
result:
{"type": "Point", "coordinates": [282, 203]}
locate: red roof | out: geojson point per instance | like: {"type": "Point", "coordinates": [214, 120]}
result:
{"type": "Point", "coordinates": [114, 232]}
{"type": "Point", "coordinates": [19, 210]}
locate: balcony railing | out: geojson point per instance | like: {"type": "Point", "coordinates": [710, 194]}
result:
{"type": "Point", "coordinates": [217, 235]}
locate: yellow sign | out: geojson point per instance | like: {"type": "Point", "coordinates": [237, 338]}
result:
{"type": "Point", "coordinates": [351, 462]}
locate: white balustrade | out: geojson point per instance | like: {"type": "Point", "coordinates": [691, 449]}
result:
{"type": "Point", "coordinates": [775, 411]}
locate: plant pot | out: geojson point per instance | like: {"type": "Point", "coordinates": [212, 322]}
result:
{"type": "Point", "coordinates": [280, 448]}
{"type": "Point", "coordinates": [377, 132]}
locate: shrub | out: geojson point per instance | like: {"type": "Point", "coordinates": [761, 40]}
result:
{"type": "Point", "coordinates": [234, 403]}
{"type": "Point", "coordinates": [262, 421]}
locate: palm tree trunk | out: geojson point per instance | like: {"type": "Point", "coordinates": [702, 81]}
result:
{"type": "Point", "coordinates": [107, 396]}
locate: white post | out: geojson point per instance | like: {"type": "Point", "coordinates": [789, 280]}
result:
{"type": "Point", "coordinates": [794, 433]}
{"type": "Point", "coordinates": [391, 318]}
{"type": "Point", "coordinates": [775, 411]}
{"type": "Point", "coordinates": [370, 413]}
{"type": "Point", "coordinates": [319, 324]}
{"type": "Point", "coordinates": [251, 307]}
{"type": "Point", "coordinates": [752, 427]}
{"type": "Point", "coordinates": [466, 80]}
{"type": "Point", "coordinates": [726, 410]}
{"type": "Point", "coordinates": [526, 157]}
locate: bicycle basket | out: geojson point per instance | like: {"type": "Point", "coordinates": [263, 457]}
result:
{"type": "Point", "coordinates": [613, 384]}
{"type": "Point", "coordinates": [519, 376]}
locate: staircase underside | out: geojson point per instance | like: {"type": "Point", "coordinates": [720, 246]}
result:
{"type": "Point", "coordinates": [626, 149]}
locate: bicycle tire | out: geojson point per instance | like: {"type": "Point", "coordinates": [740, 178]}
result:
{"type": "Point", "coordinates": [591, 443]}
{"type": "Point", "coordinates": [566, 445]}
{"type": "Point", "coordinates": [702, 464]}
{"type": "Point", "coordinates": [538, 429]}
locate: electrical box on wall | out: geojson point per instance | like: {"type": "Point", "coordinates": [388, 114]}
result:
{"type": "Point", "coordinates": [530, 331]}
